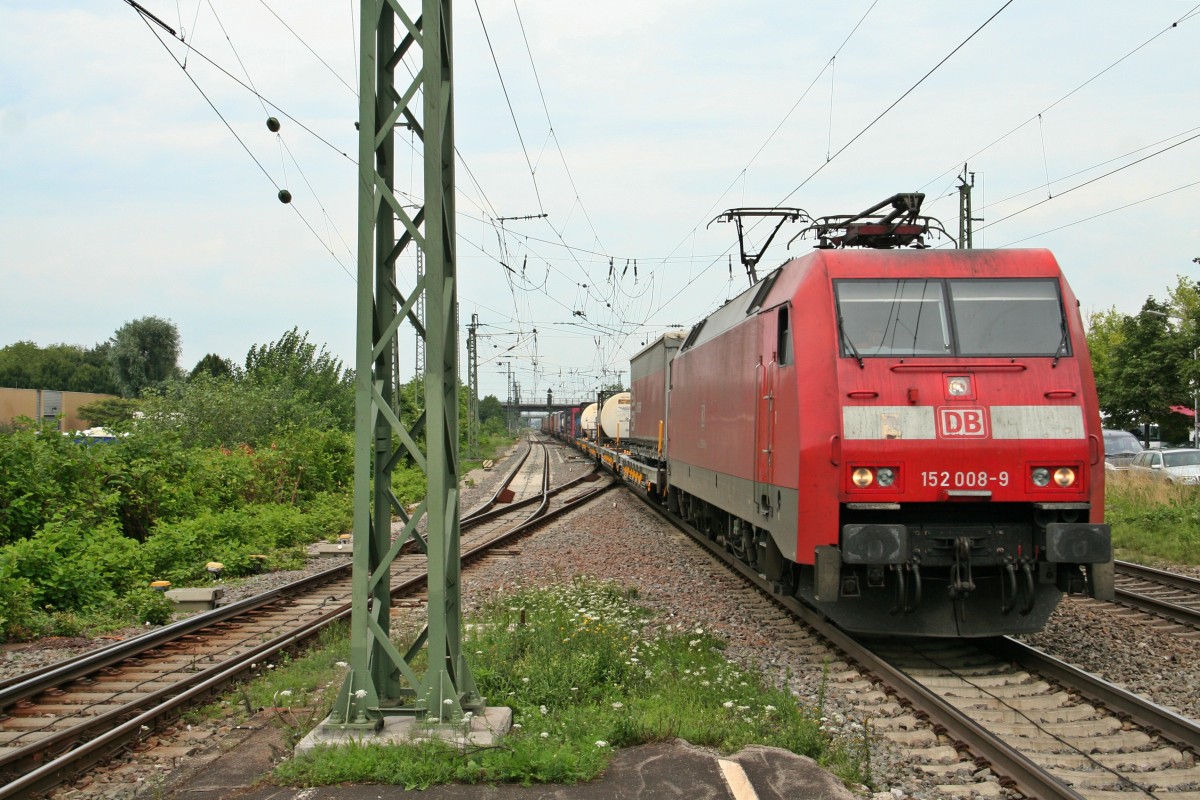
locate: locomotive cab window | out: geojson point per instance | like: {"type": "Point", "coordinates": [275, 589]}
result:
{"type": "Point", "coordinates": [964, 317]}
{"type": "Point", "coordinates": [1009, 317]}
{"type": "Point", "coordinates": [892, 318]}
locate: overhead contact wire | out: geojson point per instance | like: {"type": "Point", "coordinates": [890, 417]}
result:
{"type": "Point", "coordinates": [897, 101]}
{"type": "Point", "coordinates": [1191, 13]}
{"type": "Point", "coordinates": [239, 138]}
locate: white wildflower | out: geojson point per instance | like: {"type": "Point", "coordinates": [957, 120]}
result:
{"type": "Point", "coordinates": [341, 664]}
{"type": "Point", "coordinates": [618, 705]}
{"type": "Point", "coordinates": [360, 694]}
{"type": "Point", "coordinates": [544, 735]}
{"type": "Point", "coordinates": [544, 710]}
{"type": "Point", "coordinates": [728, 704]}
{"type": "Point", "coordinates": [601, 743]}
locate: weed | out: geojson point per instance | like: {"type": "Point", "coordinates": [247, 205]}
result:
{"type": "Point", "coordinates": [586, 671]}
{"type": "Point", "coordinates": [1153, 521]}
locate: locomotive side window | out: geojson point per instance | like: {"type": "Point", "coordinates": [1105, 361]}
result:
{"type": "Point", "coordinates": [783, 343]}
{"type": "Point", "coordinates": [892, 318]}
{"type": "Point", "coordinates": [1009, 318]}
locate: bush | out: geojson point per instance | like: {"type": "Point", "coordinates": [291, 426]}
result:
{"type": "Point", "coordinates": [72, 567]}
{"type": "Point", "coordinates": [144, 605]}
{"type": "Point", "coordinates": [179, 551]}
{"type": "Point", "coordinates": [17, 619]}
{"type": "Point", "coordinates": [41, 473]}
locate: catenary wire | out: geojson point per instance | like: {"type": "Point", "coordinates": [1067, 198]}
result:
{"type": "Point", "coordinates": [1191, 13]}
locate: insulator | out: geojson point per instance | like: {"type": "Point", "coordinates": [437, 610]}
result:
{"type": "Point", "coordinates": [285, 196]}
{"type": "Point", "coordinates": [272, 125]}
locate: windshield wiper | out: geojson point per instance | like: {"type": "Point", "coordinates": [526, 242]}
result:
{"type": "Point", "coordinates": [1062, 345]}
{"type": "Point", "coordinates": [849, 344]}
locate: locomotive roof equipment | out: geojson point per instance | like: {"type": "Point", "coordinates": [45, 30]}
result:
{"type": "Point", "coordinates": [750, 259]}
{"type": "Point", "coordinates": [902, 226]}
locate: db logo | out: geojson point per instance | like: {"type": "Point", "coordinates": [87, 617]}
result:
{"type": "Point", "coordinates": [966, 422]}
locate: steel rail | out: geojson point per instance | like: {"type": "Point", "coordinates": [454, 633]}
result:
{"type": "Point", "coordinates": [1002, 758]}
{"type": "Point", "coordinates": [1188, 615]}
{"type": "Point", "coordinates": [207, 681]}
{"type": "Point", "coordinates": [21, 687]}
{"type": "Point", "coordinates": [1153, 717]}
{"type": "Point", "coordinates": [37, 681]}
{"type": "Point", "coordinates": [1162, 608]}
{"type": "Point", "coordinates": [508, 479]}
{"type": "Point", "coordinates": [1174, 579]}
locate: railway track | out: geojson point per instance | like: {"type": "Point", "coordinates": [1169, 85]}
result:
{"type": "Point", "coordinates": [1046, 729]}
{"type": "Point", "coordinates": [1165, 594]}
{"type": "Point", "coordinates": [58, 721]}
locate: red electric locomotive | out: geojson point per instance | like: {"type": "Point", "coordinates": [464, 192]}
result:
{"type": "Point", "coordinates": [907, 439]}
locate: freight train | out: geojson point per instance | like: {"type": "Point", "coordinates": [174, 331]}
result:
{"type": "Point", "coordinates": [907, 439]}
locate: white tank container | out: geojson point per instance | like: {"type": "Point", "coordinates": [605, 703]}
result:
{"type": "Point", "coordinates": [614, 417]}
{"type": "Point", "coordinates": [588, 419]}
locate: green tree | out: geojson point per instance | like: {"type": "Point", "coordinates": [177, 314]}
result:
{"type": "Point", "coordinates": [20, 365]}
{"type": "Point", "coordinates": [1144, 374]}
{"type": "Point", "coordinates": [116, 413]}
{"type": "Point", "coordinates": [294, 365]}
{"type": "Point", "coordinates": [490, 408]}
{"type": "Point", "coordinates": [144, 353]}
{"type": "Point", "coordinates": [223, 411]}
{"type": "Point", "coordinates": [214, 366]}
{"type": "Point", "coordinates": [65, 367]}
{"type": "Point", "coordinates": [1105, 332]}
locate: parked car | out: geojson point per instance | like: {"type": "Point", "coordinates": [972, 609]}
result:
{"type": "Point", "coordinates": [1176, 465]}
{"type": "Point", "coordinates": [1120, 447]}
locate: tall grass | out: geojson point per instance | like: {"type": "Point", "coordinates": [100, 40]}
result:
{"type": "Point", "coordinates": [585, 670]}
{"type": "Point", "coordinates": [1153, 521]}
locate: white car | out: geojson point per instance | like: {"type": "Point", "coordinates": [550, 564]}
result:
{"type": "Point", "coordinates": [1176, 465]}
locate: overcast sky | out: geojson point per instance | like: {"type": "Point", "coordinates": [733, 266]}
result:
{"type": "Point", "coordinates": [127, 190]}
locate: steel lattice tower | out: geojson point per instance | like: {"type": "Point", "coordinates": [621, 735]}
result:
{"type": "Point", "coordinates": [382, 679]}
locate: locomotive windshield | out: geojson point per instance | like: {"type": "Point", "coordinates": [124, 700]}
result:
{"type": "Point", "coordinates": [933, 317]}
{"type": "Point", "coordinates": [893, 318]}
{"type": "Point", "coordinates": [1008, 318]}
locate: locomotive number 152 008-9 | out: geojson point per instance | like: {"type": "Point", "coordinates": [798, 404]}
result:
{"type": "Point", "coordinates": [963, 479]}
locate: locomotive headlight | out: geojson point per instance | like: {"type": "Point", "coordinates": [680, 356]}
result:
{"type": "Point", "coordinates": [958, 386]}
{"type": "Point", "coordinates": [886, 476]}
{"type": "Point", "coordinates": [862, 477]}
{"type": "Point", "coordinates": [1064, 476]}
{"type": "Point", "coordinates": [1041, 476]}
